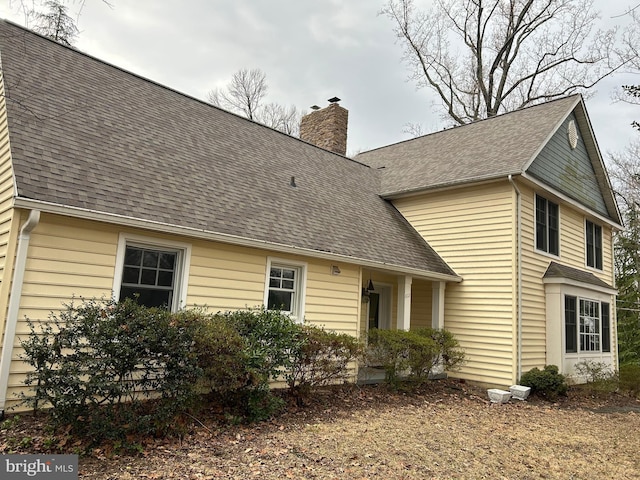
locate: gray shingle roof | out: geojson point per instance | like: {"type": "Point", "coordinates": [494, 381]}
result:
{"type": "Point", "coordinates": [86, 134]}
{"type": "Point", "coordinates": [486, 149]}
{"type": "Point", "coordinates": [556, 270]}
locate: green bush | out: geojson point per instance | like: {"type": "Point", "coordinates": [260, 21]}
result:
{"type": "Point", "coordinates": [548, 383]}
{"type": "Point", "coordinates": [240, 353]}
{"type": "Point", "coordinates": [416, 352]}
{"type": "Point", "coordinates": [629, 378]}
{"type": "Point", "coordinates": [320, 357]}
{"type": "Point", "coordinates": [98, 363]}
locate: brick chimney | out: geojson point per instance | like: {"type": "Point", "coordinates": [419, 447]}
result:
{"type": "Point", "coordinates": [326, 127]}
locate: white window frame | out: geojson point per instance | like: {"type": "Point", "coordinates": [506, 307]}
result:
{"type": "Point", "coordinates": [300, 283]}
{"type": "Point", "coordinates": [183, 261]}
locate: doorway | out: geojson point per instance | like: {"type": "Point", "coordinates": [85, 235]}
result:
{"type": "Point", "coordinates": [379, 314]}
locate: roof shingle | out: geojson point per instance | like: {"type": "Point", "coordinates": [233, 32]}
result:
{"type": "Point", "coordinates": [86, 134]}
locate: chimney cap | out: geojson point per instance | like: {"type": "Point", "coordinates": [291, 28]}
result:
{"type": "Point", "coordinates": [314, 107]}
{"type": "Point", "coordinates": [334, 100]}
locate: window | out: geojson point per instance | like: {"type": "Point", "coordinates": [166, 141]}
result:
{"type": "Point", "coordinates": [587, 329]}
{"type": "Point", "coordinates": [547, 233]}
{"type": "Point", "coordinates": [594, 245]}
{"type": "Point", "coordinates": [285, 292]}
{"type": "Point", "coordinates": [152, 273]}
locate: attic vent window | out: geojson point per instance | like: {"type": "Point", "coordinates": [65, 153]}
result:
{"type": "Point", "coordinates": [572, 132]}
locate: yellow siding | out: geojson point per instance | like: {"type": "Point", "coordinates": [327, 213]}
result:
{"type": "Point", "coordinates": [421, 304]}
{"type": "Point", "coordinates": [9, 222]}
{"type": "Point", "coordinates": [473, 230]}
{"type": "Point", "coordinates": [75, 258]}
{"type": "Point", "coordinates": [535, 263]}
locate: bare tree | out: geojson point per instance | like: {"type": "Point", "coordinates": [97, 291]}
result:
{"type": "Point", "coordinates": [244, 95]}
{"type": "Point", "coordinates": [56, 23]}
{"type": "Point", "coordinates": [485, 57]}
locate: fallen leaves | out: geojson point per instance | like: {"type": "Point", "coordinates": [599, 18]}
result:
{"type": "Point", "coordinates": [446, 431]}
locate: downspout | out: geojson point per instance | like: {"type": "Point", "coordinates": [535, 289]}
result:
{"type": "Point", "coordinates": [14, 304]}
{"type": "Point", "coordinates": [519, 285]}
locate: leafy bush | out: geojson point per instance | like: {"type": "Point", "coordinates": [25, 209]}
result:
{"type": "Point", "coordinates": [96, 363]}
{"type": "Point", "coordinates": [319, 357]}
{"type": "Point", "coordinates": [548, 383]}
{"type": "Point", "coordinates": [240, 353]}
{"type": "Point", "coordinates": [629, 378]}
{"type": "Point", "coordinates": [416, 352]}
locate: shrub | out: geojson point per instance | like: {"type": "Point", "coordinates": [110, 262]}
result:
{"type": "Point", "coordinates": [97, 362]}
{"type": "Point", "coordinates": [388, 349]}
{"type": "Point", "coordinates": [416, 352]}
{"type": "Point", "coordinates": [548, 383]}
{"type": "Point", "coordinates": [319, 358]}
{"type": "Point", "coordinates": [629, 378]}
{"type": "Point", "coordinates": [240, 352]}
{"type": "Point", "coordinates": [594, 372]}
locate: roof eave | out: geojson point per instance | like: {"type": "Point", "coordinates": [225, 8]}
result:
{"type": "Point", "coordinates": [394, 195]}
{"type": "Point", "coordinates": [126, 221]}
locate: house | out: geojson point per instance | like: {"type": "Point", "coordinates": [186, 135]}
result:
{"type": "Point", "coordinates": [112, 185]}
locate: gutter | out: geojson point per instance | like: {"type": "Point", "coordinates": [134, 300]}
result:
{"type": "Point", "coordinates": [519, 282]}
{"type": "Point", "coordinates": [126, 221]}
{"type": "Point", "coordinates": [14, 304]}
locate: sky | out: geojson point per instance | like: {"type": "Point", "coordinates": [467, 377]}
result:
{"type": "Point", "coordinates": [310, 50]}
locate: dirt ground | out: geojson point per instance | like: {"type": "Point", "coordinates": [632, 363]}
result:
{"type": "Point", "coordinates": [448, 430]}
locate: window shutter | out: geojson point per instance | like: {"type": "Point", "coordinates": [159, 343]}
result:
{"type": "Point", "coordinates": [570, 324]}
{"type": "Point", "coordinates": [606, 327]}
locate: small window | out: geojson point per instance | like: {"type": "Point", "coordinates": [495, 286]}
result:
{"type": "Point", "coordinates": [152, 274]}
{"type": "Point", "coordinates": [148, 275]}
{"type": "Point", "coordinates": [547, 231]}
{"type": "Point", "coordinates": [594, 245]}
{"type": "Point", "coordinates": [285, 288]}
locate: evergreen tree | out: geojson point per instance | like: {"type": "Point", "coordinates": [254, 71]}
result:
{"type": "Point", "coordinates": [627, 262]}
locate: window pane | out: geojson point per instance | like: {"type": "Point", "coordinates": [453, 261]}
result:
{"type": "Point", "coordinates": [553, 229]}
{"type": "Point", "coordinates": [606, 328]}
{"type": "Point", "coordinates": [597, 241]}
{"type": "Point", "coordinates": [570, 318]}
{"type": "Point", "coordinates": [165, 278]}
{"type": "Point", "coordinates": [279, 300]}
{"type": "Point", "coordinates": [130, 275]}
{"type": "Point", "coordinates": [167, 261]}
{"type": "Point", "coordinates": [148, 277]}
{"type": "Point", "coordinates": [275, 272]}
{"type": "Point", "coordinates": [147, 297]}
{"type": "Point", "coordinates": [150, 259]}
{"type": "Point", "coordinates": [541, 223]}
{"type": "Point", "coordinates": [274, 283]}
{"type": "Point", "coordinates": [132, 256]}
{"type": "Point", "coordinates": [288, 284]}
{"type": "Point", "coordinates": [288, 273]}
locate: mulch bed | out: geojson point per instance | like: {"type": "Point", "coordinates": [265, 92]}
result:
{"type": "Point", "coordinates": [447, 429]}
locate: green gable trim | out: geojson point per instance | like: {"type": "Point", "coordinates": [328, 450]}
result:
{"type": "Point", "coordinates": [568, 170]}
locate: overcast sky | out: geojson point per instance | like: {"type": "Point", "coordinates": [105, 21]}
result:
{"type": "Point", "coordinates": [310, 50]}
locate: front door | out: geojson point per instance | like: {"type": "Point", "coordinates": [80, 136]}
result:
{"type": "Point", "coordinates": [380, 308]}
